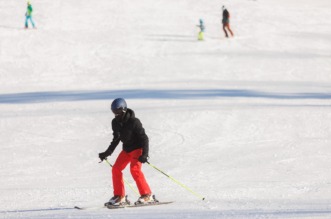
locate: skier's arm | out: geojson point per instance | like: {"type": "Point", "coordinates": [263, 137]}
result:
{"type": "Point", "coordinates": [113, 144]}
{"type": "Point", "coordinates": [115, 141]}
{"type": "Point", "coordinates": [143, 139]}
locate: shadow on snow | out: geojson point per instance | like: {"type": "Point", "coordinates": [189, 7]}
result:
{"type": "Point", "coordinates": [61, 96]}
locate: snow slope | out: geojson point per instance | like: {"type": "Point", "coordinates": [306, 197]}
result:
{"type": "Point", "coordinates": [244, 122]}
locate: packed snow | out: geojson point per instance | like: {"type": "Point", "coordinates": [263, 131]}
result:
{"type": "Point", "coordinates": [244, 122]}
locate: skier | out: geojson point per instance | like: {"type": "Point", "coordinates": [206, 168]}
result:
{"type": "Point", "coordinates": [128, 129]}
{"type": "Point", "coordinates": [202, 29]}
{"type": "Point", "coordinates": [28, 16]}
{"type": "Point", "coordinates": [226, 21]}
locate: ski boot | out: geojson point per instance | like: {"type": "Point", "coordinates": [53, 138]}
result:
{"type": "Point", "coordinates": [118, 202]}
{"type": "Point", "coordinates": [147, 199]}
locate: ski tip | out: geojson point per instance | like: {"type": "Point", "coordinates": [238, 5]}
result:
{"type": "Point", "coordinates": [76, 207]}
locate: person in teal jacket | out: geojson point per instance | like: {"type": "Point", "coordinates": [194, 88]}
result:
{"type": "Point", "coordinates": [28, 16]}
{"type": "Point", "coordinates": [202, 29]}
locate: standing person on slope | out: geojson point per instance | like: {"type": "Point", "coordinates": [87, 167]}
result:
{"type": "Point", "coordinates": [129, 130]}
{"type": "Point", "coordinates": [202, 29]}
{"type": "Point", "coordinates": [226, 21]}
{"type": "Point", "coordinates": [28, 16]}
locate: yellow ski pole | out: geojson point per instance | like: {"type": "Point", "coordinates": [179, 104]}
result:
{"type": "Point", "coordinates": [176, 181]}
{"type": "Point", "coordinates": [125, 180]}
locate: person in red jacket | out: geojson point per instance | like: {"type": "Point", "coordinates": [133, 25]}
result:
{"type": "Point", "coordinates": [128, 130]}
{"type": "Point", "coordinates": [226, 22]}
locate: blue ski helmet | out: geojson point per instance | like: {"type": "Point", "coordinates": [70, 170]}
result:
{"type": "Point", "coordinates": [118, 106]}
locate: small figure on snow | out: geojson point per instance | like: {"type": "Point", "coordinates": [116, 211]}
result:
{"type": "Point", "coordinates": [28, 16]}
{"type": "Point", "coordinates": [129, 130]}
{"type": "Point", "coordinates": [226, 21]}
{"type": "Point", "coordinates": [202, 29]}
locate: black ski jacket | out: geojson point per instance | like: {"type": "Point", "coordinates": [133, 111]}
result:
{"type": "Point", "coordinates": [130, 132]}
{"type": "Point", "coordinates": [226, 16]}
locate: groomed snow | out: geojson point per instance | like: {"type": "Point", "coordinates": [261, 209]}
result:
{"type": "Point", "coordinates": [244, 122]}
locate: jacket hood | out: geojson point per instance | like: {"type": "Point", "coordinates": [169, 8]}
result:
{"type": "Point", "coordinates": [128, 115]}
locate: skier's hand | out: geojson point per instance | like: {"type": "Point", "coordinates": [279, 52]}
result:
{"type": "Point", "coordinates": [103, 156]}
{"type": "Point", "coordinates": [143, 159]}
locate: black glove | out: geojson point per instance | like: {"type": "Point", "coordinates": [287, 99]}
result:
{"type": "Point", "coordinates": [143, 159]}
{"type": "Point", "coordinates": [103, 156]}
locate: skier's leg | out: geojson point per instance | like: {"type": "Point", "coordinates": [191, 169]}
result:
{"type": "Point", "coordinates": [226, 33]}
{"type": "Point", "coordinates": [26, 22]}
{"type": "Point", "coordinates": [29, 19]}
{"type": "Point", "coordinates": [228, 26]}
{"type": "Point", "coordinates": [121, 162]}
{"type": "Point", "coordinates": [32, 22]}
{"type": "Point", "coordinates": [200, 35]}
{"type": "Point", "coordinates": [137, 174]}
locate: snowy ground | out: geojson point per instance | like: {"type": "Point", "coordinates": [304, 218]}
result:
{"type": "Point", "coordinates": [245, 122]}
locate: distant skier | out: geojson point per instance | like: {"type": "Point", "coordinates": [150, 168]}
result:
{"type": "Point", "coordinates": [202, 30]}
{"type": "Point", "coordinates": [28, 16]}
{"type": "Point", "coordinates": [226, 21]}
{"type": "Point", "coordinates": [128, 129]}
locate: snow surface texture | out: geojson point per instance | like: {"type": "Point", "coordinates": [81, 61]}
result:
{"type": "Point", "coordinates": [245, 121]}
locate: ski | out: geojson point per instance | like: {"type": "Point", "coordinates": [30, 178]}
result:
{"type": "Point", "coordinates": [138, 205]}
{"type": "Point", "coordinates": [122, 206]}
{"type": "Point", "coordinates": [89, 208]}
{"type": "Point", "coordinates": [150, 204]}
{"type": "Point", "coordinates": [127, 204]}
{"type": "Point", "coordinates": [155, 202]}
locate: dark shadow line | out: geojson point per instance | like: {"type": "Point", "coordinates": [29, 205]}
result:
{"type": "Point", "coordinates": [35, 210]}
{"type": "Point", "coordinates": [60, 96]}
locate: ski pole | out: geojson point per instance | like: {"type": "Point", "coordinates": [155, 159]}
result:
{"type": "Point", "coordinates": [124, 180]}
{"type": "Point", "coordinates": [176, 181]}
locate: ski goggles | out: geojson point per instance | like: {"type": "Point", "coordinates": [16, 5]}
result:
{"type": "Point", "coordinates": [118, 112]}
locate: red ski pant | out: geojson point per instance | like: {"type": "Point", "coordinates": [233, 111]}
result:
{"type": "Point", "coordinates": [121, 162]}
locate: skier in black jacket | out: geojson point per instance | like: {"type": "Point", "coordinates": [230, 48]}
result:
{"type": "Point", "coordinates": [129, 130]}
{"type": "Point", "coordinates": [226, 21]}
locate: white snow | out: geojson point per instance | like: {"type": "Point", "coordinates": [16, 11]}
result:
{"type": "Point", "coordinates": [244, 122]}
